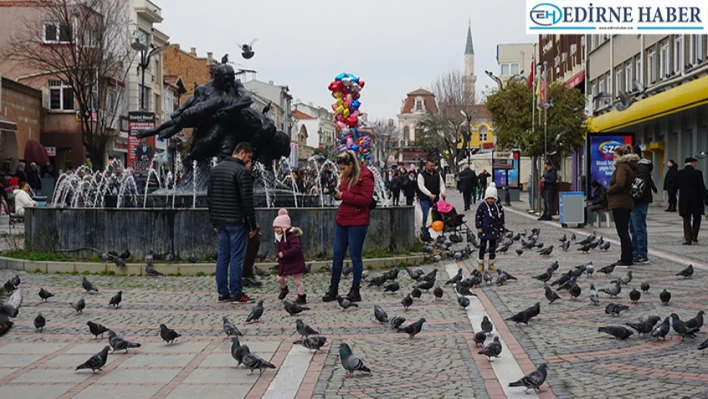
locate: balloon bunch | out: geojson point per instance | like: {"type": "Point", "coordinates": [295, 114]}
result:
{"type": "Point", "coordinates": [346, 90]}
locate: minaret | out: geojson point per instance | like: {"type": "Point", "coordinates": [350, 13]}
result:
{"type": "Point", "coordinates": [470, 77]}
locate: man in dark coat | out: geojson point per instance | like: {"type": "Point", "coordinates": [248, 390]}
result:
{"type": "Point", "coordinates": [599, 201]}
{"type": "Point", "coordinates": [395, 186]}
{"type": "Point", "coordinates": [670, 184]}
{"type": "Point", "coordinates": [466, 185]}
{"type": "Point", "coordinates": [482, 181]}
{"type": "Point", "coordinates": [33, 179]}
{"type": "Point", "coordinates": [692, 199]}
{"type": "Point", "coordinates": [409, 183]}
{"type": "Point", "coordinates": [550, 178]}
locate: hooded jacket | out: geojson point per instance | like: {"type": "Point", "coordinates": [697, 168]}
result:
{"type": "Point", "coordinates": [354, 209]}
{"type": "Point", "coordinates": [293, 261]}
{"type": "Point", "coordinates": [621, 181]}
{"type": "Point", "coordinates": [644, 169]}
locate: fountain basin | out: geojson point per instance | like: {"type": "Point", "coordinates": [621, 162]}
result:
{"type": "Point", "coordinates": [187, 232]}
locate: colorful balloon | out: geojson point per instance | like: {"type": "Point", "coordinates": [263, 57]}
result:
{"type": "Point", "coordinates": [438, 226]}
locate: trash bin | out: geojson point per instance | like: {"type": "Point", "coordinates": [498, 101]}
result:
{"type": "Point", "coordinates": [571, 206]}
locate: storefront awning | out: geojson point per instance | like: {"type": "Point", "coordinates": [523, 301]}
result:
{"type": "Point", "coordinates": [688, 95]}
{"type": "Point", "coordinates": [6, 123]}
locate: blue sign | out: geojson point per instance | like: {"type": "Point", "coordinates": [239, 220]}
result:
{"type": "Point", "coordinates": [601, 149]}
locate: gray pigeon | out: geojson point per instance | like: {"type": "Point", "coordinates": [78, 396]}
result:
{"type": "Point", "coordinates": [487, 326]}
{"type": "Point", "coordinates": [87, 285]}
{"type": "Point", "coordinates": [612, 291]}
{"type": "Point", "coordinates": [635, 295]}
{"type": "Point", "coordinates": [696, 322]}
{"type": "Point", "coordinates": [230, 328]}
{"type": "Point", "coordinates": [479, 338]}
{"type": "Point", "coordinates": [96, 329]}
{"type": "Point", "coordinates": [97, 361]}
{"type": "Point", "coordinates": [651, 320]}
{"type": "Point", "coordinates": [545, 277]}
{"type": "Point", "coordinates": [551, 295]}
{"type": "Point", "coordinates": [393, 287]}
{"type": "Point", "coordinates": [416, 293]}
{"type": "Point", "coordinates": [413, 329]}
{"type": "Point", "coordinates": [438, 293]}
{"type": "Point", "coordinates": [256, 313]}
{"type": "Point", "coordinates": [151, 272]}
{"type": "Point", "coordinates": [494, 349]}
{"type": "Point", "coordinates": [687, 272]}
{"type": "Point", "coordinates": [44, 294]}
{"type": "Point", "coordinates": [345, 303]}
{"type": "Point", "coordinates": [238, 350]}
{"type": "Point", "coordinates": [645, 287]}
{"type": "Point", "coordinates": [168, 335]}
{"type": "Point", "coordinates": [594, 297]}
{"type": "Point", "coordinates": [618, 332]}
{"type": "Point", "coordinates": [350, 362]}
{"type": "Point", "coordinates": [665, 296]}
{"type": "Point", "coordinates": [40, 322]}
{"type": "Point", "coordinates": [487, 277]}
{"type": "Point", "coordinates": [533, 380]}
{"type": "Point", "coordinates": [546, 251]}
{"type": "Point", "coordinates": [463, 301]}
{"type": "Point", "coordinates": [117, 343]}
{"type": "Point", "coordinates": [615, 308]}
{"type": "Point", "coordinates": [253, 362]}
{"type": "Point", "coordinates": [312, 343]}
{"type": "Point", "coordinates": [380, 315]}
{"type": "Point", "coordinates": [407, 302]}
{"type": "Point", "coordinates": [526, 315]}
{"type": "Point", "coordinates": [426, 285]}
{"type": "Point", "coordinates": [626, 279]}
{"type": "Point", "coordinates": [642, 328]}
{"type": "Point", "coordinates": [681, 328]}
{"type": "Point", "coordinates": [456, 278]}
{"type": "Point", "coordinates": [116, 300]}
{"type": "Point", "coordinates": [293, 309]}
{"type": "Point", "coordinates": [661, 330]}
{"type": "Point", "coordinates": [303, 329]}
{"type": "Point", "coordinates": [565, 246]}
{"type": "Point", "coordinates": [396, 321]}
{"type": "Point", "coordinates": [78, 305]}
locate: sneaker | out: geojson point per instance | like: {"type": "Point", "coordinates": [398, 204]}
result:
{"type": "Point", "coordinates": [623, 263]}
{"type": "Point", "coordinates": [224, 298]}
{"type": "Point", "coordinates": [243, 299]}
{"type": "Point", "coordinates": [640, 260]}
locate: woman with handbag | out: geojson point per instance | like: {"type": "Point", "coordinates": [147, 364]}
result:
{"type": "Point", "coordinates": [619, 200]}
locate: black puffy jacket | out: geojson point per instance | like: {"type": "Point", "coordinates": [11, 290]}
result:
{"type": "Point", "coordinates": [230, 194]}
{"type": "Point", "coordinates": [644, 172]}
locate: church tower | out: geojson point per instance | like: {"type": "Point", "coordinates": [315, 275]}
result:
{"type": "Point", "coordinates": [470, 77]}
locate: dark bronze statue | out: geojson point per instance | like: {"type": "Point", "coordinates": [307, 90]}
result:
{"type": "Point", "coordinates": [220, 113]}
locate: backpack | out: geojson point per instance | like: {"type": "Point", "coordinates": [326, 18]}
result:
{"type": "Point", "coordinates": [638, 188]}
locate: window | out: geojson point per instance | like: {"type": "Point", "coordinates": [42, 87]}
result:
{"type": "Point", "coordinates": [144, 37]}
{"type": "Point", "coordinates": [696, 49]}
{"type": "Point", "coordinates": [406, 134]}
{"type": "Point", "coordinates": [678, 50]}
{"type": "Point", "coordinates": [628, 78]}
{"type": "Point", "coordinates": [509, 68]}
{"type": "Point", "coordinates": [609, 86]}
{"type": "Point", "coordinates": [112, 100]}
{"type": "Point", "coordinates": [61, 95]}
{"type": "Point", "coordinates": [57, 32]}
{"type": "Point", "coordinates": [418, 105]}
{"type": "Point", "coordinates": [664, 70]}
{"type": "Point", "coordinates": [483, 134]}
{"type": "Point", "coordinates": [504, 69]}
{"type": "Point", "coordinates": [514, 68]}
{"type": "Point", "coordinates": [594, 93]}
{"type": "Point", "coordinates": [91, 38]}
{"type": "Point", "coordinates": [146, 94]}
{"type": "Point", "coordinates": [418, 134]}
{"type": "Point", "coordinates": [573, 48]}
{"type": "Point", "coordinates": [651, 65]}
{"type": "Point", "coordinates": [601, 89]}
{"type": "Point", "coordinates": [168, 106]}
{"type": "Point", "coordinates": [618, 80]}
{"type": "Point", "coordinates": [638, 71]}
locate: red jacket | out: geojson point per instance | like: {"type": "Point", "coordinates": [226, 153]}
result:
{"type": "Point", "coordinates": [354, 209]}
{"type": "Point", "coordinates": [293, 261]}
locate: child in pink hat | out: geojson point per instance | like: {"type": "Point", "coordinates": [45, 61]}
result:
{"type": "Point", "coordinates": [291, 261]}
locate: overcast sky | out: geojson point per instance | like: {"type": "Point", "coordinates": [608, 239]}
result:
{"type": "Point", "coordinates": [396, 46]}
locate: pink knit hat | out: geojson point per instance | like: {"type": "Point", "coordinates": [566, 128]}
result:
{"type": "Point", "coordinates": [282, 220]}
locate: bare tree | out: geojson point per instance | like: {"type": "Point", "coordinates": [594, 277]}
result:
{"type": "Point", "coordinates": [384, 137]}
{"type": "Point", "coordinates": [85, 43]}
{"type": "Point", "coordinates": [448, 125]}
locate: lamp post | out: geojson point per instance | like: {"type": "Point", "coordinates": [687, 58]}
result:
{"type": "Point", "coordinates": [145, 54]}
{"type": "Point", "coordinates": [500, 84]}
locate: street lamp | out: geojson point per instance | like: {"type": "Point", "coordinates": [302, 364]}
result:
{"type": "Point", "coordinates": [145, 54]}
{"type": "Point", "coordinates": [500, 84]}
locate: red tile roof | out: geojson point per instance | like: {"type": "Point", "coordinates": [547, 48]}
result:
{"type": "Point", "coordinates": [301, 115]}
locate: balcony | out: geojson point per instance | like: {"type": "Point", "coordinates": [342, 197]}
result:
{"type": "Point", "coordinates": [148, 11]}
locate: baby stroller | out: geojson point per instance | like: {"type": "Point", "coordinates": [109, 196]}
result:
{"type": "Point", "coordinates": [453, 221]}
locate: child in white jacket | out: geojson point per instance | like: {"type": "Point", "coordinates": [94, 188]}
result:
{"type": "Point", "coordinates": [23, 199]}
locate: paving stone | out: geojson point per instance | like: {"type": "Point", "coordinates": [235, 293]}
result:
{"type": "Point", "coordinates": [118, 391]}
{"type": "Point", "coordinates": [209, 391]}
{"type": "Point", "coordinates": [54, 375]}
{"type": "Point", "coordinates": [144, 360]}
{"type": "Point", "coordinates": [216, 376]}
{"type": "Point", "coordinates": [24, 391]}
{"type": "Point", "coordinates": [18, 360]}
{"type": "Point", "coordinates": [137, 376]}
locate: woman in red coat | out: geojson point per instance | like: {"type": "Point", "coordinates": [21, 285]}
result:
{"type": "Point", "coordinates": [291, 261]}
{"type": "Point", "coordinates": [356, 191]}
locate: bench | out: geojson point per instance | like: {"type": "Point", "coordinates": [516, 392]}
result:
{"type": "Point", "coordinates": [608, 217]}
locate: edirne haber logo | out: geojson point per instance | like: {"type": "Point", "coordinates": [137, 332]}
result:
{"type": "Point", "coordinates": [617, 17]}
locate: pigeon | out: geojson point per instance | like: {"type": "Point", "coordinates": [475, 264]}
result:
{"type": "Point", "coordinates": [612, 291]}
{"type": "Point", "coordinates": [294, 309]}
{"type": "Point", "coordinates": [626, 279]}
{"type": "Point", "coordinates": [681, 328]}
{"type": "Point", "coordinates": [564, 238]}
{"type": "Point", "coordinates": [665, 297]}
{"type": "Point", "coordinates": [486, 327]}
{"type": "Point", "coordinates": [96, 329]}
{"type": "Point", "coordinates": [551, 295]}
{"type": "Point", "coordinates": [703, 345]}
{"type": "Point", "coordinates": [118, 343]}
{"type": "Point", "coordinates": [696, 322]}
{"type": "Point", "coordinates": [651, 320]}
{"type": "Point", "coordinates": [345, 303]}
{"type": "Point", "coordinates": [407, 302]}
{"type": "Point", "coordinates": [589, 269]}
{"type": "Point", "coordinates": [116, 299]}
{"type": "Point", "coordinates": [526, 315]}
{"type": "Point", "coordinates": [616, 331]}
{"type": "Point", "coordinates": [479, 338]}
{"type": "Point", "coordinates": [392, 288]}
{"type": "Point", "coordinates": [607, 269]}
{"type": "Point", "coordinates": [430, 276]}
{"type": "Point", "coordinates": [247, 50]}
{"type": "Point", "coordinates": [464, 291]}
{"type": "Point", "coordinates": [494, 349]}
{"type": "Point", "coordinates": [124, 255]}
{"type": "Point", "coordinates": [9, 287]}
{"type": "Point", "coordinates": [415, 274]}
{"type": "Point", "coordinates": [347, 269]}
{"type": "Point", "coordinates": [256, 313]}
{"type": "Point", "coordinates": [97, 361]}
{"type": "Point", "coordinates": [662, 329]}
{"type": "Point", "coordinates": [253, 362]}
{"type": "Point", "coordinates": [565, 246]}
{"type": "Point", "coordinates": [377, 281]}
{"type": "Point", "coordinates": [40, 322]}
{"type": "Point", "coordinates": [563, 279]}
{"type": "Point", "coordinates": [44, 294]}
{"type": "Point", "coordinates": [463, 301]}
{"type": "Point", "coordinates": [412, 329]}
{"type": "Point", "coordinates": [238, 350]}
{"type": "Point", "coordinates": [151, 272]}
{"type": "Point", "coordinates": [380, 315]}
{"type": "Point", "coordinates": [594, 297]}
{"type": "Point", "coordinates": [546, 251]}
{"type": "Point", "coordinates": [396, 321]}
{"type": "Point", "coordinates": [230, 328]}
{"type": "Point", "coordinates": [501, 278]}
{"type": "Point", "coordinates": [169, 257]}
{"type": "Point", "coordinates": [641, 328]}
{"type": "Point", "coordinates": [436, 258]}
{"type": "Point", "coordinates": [587, 240]}
{"type": "Point", "coordinates": [634, 295]}
{"type": "Point", "coordinates": [350, 362]}
{"type": "Point", "coordinates": [545, 277]}
{"type": "Point", "coordinates": [416, 293]}
{"type": "Point", "coordinates": [262, 273]}
{"type": "Point", "coordinates": [585, 248]}
{"type": "Point", "coordinates": [427, 285]}
{"type": "Point", "coordinates": [168, 335]}
{"type": "Point", "coordinates": [303, 329]}
{"type": "Point", "coordinates": [456, 278]}
{"type": "Point", "coordinates": [574, 291]}
{"type": "Point", "coordinates": [487, 277]}
{"type": "Point", "coordinates": [78, 305]}
{"type": "Point", "coordinates": [438, 293]}
{"type": "Point", "coordinates": [192, 259]}
{"type": "Point", "coordinates": [15, 281]}
{"type": "Point", "coordinates": [615, 308]}
{"type": "Point", "coordinates": [687, 272]}
{"type": "Point", "coordinates": [502, 249]}
{"type": "Point", "coordinates": [87, 285]}
{"type": "Point", "coordinates": [554, 266]}
{"type": "Point", "coordinates": [312, 343]}
{"type": "Point", "coordinates": [519, 251]}
{"type": "Point", "coordinates": [364, 274]}
{"type": "Point", "coordinates": [533, 380]}
{"type": "Point", "coordinates": [392, 274]}
{"type": "Point", "coordinates": [645, 287]}
{"type": "Point", "coordinates": [605, 246]}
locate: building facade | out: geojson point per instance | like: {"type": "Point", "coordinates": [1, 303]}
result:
{"type": "Point", "coordinates": [20, 120]}
{"type": "Point", "coordinates": [665, 78]}
{"type": "Point", "coordinates": [326, 133]}
{"type": "Point", "coordinates": [481, 129]}
{"type": "Point", "coordinates": [563, 58]}
{"type": "Point", "coordinates": [277, 94]}
{"type": "Point", "coordinates": [414, 108]}
{"type": "Point", "coordinates": [514, 60]}
{"type": "Point", "coordinates": [193, 70]}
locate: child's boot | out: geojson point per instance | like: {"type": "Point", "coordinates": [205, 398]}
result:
{"type": "Point", "coordinates": [480, 265]}
{"type": "Point", "coordinates": [301, 299]}
{"type": "Point", "coordinates": [283, 293]}
{"type": "Point", "coordinates": [490, 266]}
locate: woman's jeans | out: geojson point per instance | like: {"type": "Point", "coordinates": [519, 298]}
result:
{"type": "Point", "coordinates": [352, 237]}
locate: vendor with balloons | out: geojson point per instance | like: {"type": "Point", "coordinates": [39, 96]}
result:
{"type": "Point", "coordinates": [431, 188]}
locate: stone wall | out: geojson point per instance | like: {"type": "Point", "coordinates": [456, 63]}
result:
{"type": "Point", "coordinates": [187, 232]}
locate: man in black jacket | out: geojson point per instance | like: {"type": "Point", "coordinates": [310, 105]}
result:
{"type": "Point", "coordinates": [232, 213]}
{"type": "Point", "coordinates": [692, 199]}
{"type": "Point", "coordinates": [550, 178]}
{"type": "Point", "coordinates": [599, 201]}
{"type": "Point", "coordinates": [467, 185]}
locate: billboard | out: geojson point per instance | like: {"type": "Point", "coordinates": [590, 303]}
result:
{"type": "Point", "coordinates": [601, 147]}
{"type": "Point", "coordinates": [140, 151]}
{"type": "Point", "coordinates": [505, 165]}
